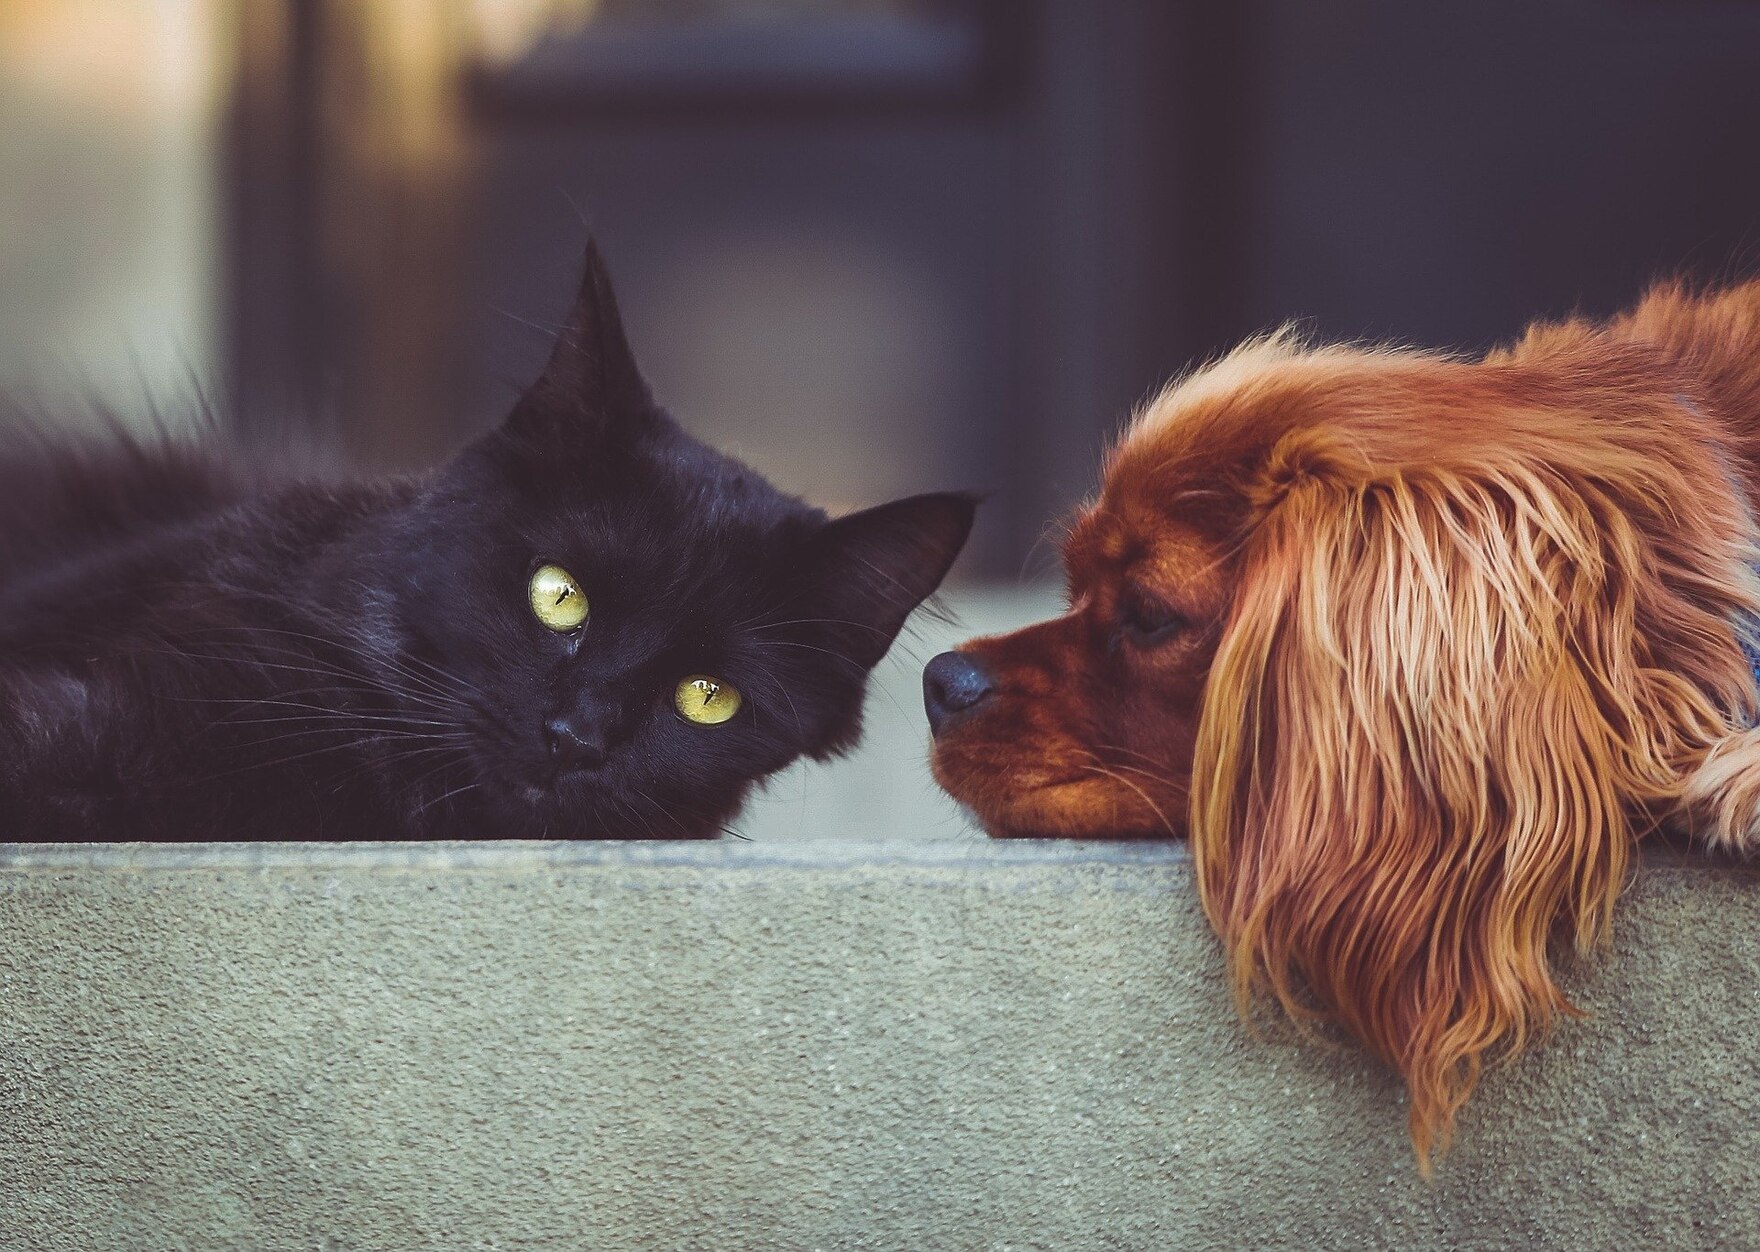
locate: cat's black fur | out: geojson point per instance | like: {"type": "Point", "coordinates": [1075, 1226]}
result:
{"type": "Point", "coordinates": [194, 649]}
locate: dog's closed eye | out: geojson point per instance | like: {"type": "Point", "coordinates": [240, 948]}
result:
{"type": "Point", "coordinates": [1146, 621]}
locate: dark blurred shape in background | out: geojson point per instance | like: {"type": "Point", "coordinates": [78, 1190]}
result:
{"type": "Point", "coordinates": [871, 245]}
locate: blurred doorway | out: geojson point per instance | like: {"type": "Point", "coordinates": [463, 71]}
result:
{"type": "Point", "coordinates": [877, 246]}
{"type": "Point", "coordinates": [873, 246]}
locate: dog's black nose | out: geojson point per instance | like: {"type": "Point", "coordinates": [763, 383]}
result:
{"type": "Point", "coordinates": [575, 744]}
{"type": "Point", "coordinates": [953, 686]}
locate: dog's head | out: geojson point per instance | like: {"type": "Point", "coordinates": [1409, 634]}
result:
{"type": "Point", "coordinates": [1409, 645]}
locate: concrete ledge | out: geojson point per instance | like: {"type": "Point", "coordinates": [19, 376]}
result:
{"type": "Point", "coordinates": [803, 1045]}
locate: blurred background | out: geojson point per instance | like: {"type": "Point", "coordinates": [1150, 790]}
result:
{"type": "Point", "coordinates": [871, 246]}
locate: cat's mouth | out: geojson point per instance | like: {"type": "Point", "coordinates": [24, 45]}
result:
{"type": "Point", "coordinates": [545, 810]}
{"type": "Point", "coordinates": [549, 795]}
{"type": "Point", "coordinates": [585, 805]}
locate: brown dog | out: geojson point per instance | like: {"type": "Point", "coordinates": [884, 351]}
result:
{"type": "Point", "coordinates": [1414, 648]}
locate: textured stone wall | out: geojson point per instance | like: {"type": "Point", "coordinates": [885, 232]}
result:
{"type": "Point", "coordinates": [955, 1045]}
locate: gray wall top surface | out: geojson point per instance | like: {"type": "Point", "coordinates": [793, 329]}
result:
{"type": "Point", "coordinates": [813, 1045]}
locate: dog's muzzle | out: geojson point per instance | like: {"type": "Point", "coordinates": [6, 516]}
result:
{"type": "Point", "coordinates": [953, 688]}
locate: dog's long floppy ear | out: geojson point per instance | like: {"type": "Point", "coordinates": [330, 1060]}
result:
{"type": "Point", "coordinates": [1436, 705]}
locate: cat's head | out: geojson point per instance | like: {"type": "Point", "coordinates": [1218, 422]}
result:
{"type": "Point", "coordinates": [630, 627]}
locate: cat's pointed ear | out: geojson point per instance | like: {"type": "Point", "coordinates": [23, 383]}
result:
{"type": "Point", "coordinates": [868, 570]}
{"type": "Point", "coordinates": [591, 383]}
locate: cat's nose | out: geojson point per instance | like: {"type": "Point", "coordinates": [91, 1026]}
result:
{"type": "Point", "coordinates": [953, 685]}
{"type": "Point", "coordinates": [575, 744]}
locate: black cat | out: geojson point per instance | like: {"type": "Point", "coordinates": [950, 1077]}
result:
{"type": "Point", "coordinates": [585, 625]}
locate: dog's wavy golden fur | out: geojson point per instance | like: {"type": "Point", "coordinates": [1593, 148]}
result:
{"type": "Point", "coordinates": [1415, 648]}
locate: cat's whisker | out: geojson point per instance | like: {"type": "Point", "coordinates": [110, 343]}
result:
{"type": "Point", "coordinates": [440, 799]}
{"type": "Point", "coordinates": [338, 641]}
{"type": "Point", "coordinates": [281, 762]}
{"type": "Point", "coordinates": [624, 809]}
{"type": "Point", "coordinates": [815, 621]}
{"type": "Point", "coordinates": [667, 815]}
{"type": "Point", "coordinates": [452, 753]}
{"type": "Point", "coordinates": [348, 681]}
{"type": "Point", "coordinates": [279, 700]}
{"type": "Point", "coordinates": [258, 663]}
{"type": "Point", "coordinates": [860, 669]}
{"type": "Point", "coordinates": [304, 711]}
{"type": "Point", "coordinates": [416, 785]}
{"type": "Point", "coordinates": [318, 712]}
{"type": "Point", "coordinates": [360, 737]}
{"type": "Point", "coordinates": [780, 688]}
{"type": "Point", "coordinates": [813, 647]}
{"type": "Point", "coordinates": [398, 663]}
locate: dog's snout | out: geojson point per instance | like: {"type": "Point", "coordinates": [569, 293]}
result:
{"type": "Point", "coordinates": [953, 685]}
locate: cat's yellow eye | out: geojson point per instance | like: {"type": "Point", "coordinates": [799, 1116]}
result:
{"type": "Point", "coordinates": [705, 701]}
{"type": "Point", "coordinates": [557, 599]}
